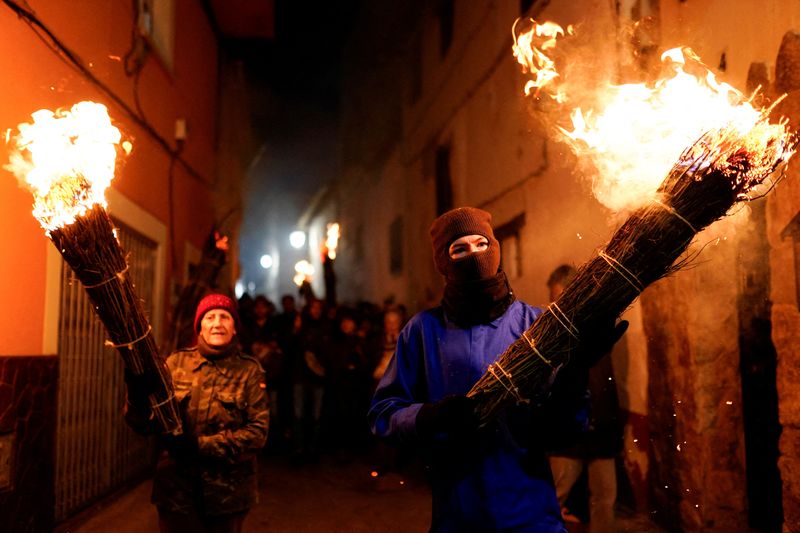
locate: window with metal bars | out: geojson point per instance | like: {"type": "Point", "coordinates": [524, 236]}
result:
{"type": "Point", "coordinates": [96, 452]}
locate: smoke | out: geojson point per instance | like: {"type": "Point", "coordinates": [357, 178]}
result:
{"type": "Point", "coordinates": [627, 137]}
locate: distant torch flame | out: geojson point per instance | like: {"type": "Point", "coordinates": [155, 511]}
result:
{"type": "Point", "coordinates": [67, 159]}
{"type": "Point", "coordinates": [634, 133]}
{"type": "Point", "coordinates": [304, 271]}
{"type": "Point", "coordinates": [332, 240]}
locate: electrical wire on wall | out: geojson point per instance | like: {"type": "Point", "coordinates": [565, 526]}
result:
{"type": "Point", "coordinates": [24, 11]}
{"type": "Point", "coordinates": [136, 57]}
{"type": "Point", "coordinates": [171, 211]}
{"type": "Point", "coordinates": [134, 61]}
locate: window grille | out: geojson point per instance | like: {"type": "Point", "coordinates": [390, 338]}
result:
{"type": "Point", "coordinates": [96, 452]}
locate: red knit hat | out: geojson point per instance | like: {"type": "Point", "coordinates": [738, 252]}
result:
{"type": "Point", "coordinates": [216, 301]}
{"type": "Point", "coordinates": [457, 223]}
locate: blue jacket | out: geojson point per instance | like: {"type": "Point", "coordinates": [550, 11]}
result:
{"type": "Point", "coordinates": [498, 480]}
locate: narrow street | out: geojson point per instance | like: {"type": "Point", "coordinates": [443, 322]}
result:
{"type": "Point", "coordinates": [325, 497]}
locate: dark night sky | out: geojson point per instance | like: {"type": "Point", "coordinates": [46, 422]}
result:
{"type": "Point", "coordinates": [294, 83]}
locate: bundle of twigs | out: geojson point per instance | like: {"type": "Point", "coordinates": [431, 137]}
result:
{"type": "Point", "coordinates": [721, 168]}
{"type": "Point", "coordinates": [93, 252]}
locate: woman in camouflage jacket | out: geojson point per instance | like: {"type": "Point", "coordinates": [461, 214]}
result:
{"type": "Point", "coordinates": [206, 479]}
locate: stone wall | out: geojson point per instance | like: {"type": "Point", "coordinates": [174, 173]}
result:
{"type": "Point", "coordinates": [782, 209]}
{"type": "Point", "coordinates": [28, 389]}
{"type": "Point", "coordinates": [697, 467]}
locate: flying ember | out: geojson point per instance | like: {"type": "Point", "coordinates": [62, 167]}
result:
{"type": "Point", "coordinates": [67, 159]}
{"type": "Point", "coordinates": [632, 134]}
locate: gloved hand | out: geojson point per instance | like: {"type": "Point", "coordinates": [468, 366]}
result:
{"type": "Point", "coordinates": [452, 415]}
{"type": "Point", "coordinates": [597, 339]}
{"type": "Point", "coordinates": [139, 387]}
{"type": "Point", "coordinates": [181, 447]}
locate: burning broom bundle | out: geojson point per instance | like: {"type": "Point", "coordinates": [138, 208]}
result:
{"type": "Point", "coordinates": [725, 166]}
{"type": "Point", "coordinates": [68, 160]}
{"type": "Point", "coordinates": [710, 177]}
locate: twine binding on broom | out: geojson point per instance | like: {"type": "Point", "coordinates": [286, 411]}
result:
{"type": "Point", "coordinates": [536, 351]}
{"type": "Point", "coordinates": [671, 210]}
{"type": "Point", "coordinates": [510, 387]}
{"type": "Point", "coordinates": [563, 320]}
{"type": "Point", "coordinates": [629, 276]}
{"type": "Point", "coordinates": [171, 396]}
{"type": "Point", "coordinates": [128, 345]}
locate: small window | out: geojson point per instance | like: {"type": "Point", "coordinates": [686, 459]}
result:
{"type": "Point", "coordinates": [396, 246]}
{"type": "Point", "coordinates": [446, 10]}
{"type": "Point", "coordinates": [157, 24]}
{"type": "Point", "coordinates": [510, 246]}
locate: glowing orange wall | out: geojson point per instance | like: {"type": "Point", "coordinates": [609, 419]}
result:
{"type": "Point", "coordinates": [33, 77]}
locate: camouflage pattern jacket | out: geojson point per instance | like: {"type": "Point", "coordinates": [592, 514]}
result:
{"type": "Point", "coordinates": [224, 405]}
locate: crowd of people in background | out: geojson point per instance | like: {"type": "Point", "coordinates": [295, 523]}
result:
{"type": "Point", "coordinates": [322, 363]}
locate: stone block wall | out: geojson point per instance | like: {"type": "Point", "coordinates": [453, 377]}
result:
{"type": "Point", "coordinates": [697, 467]}
{"type": "Point", "coordinates": [783, 208]}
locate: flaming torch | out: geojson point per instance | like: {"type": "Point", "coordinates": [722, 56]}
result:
{"type": "Point", "coordinates": [732, 151]}
{"type": "Point", "coordinates": [332, 240]}
{"type": "Point", "coordinates": [67, 160]}
{"type": "Point", "coordinates": [328, 256]}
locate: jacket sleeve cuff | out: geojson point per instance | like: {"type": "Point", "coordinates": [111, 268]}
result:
{"type": "Point", "coordinates": [405, 422]}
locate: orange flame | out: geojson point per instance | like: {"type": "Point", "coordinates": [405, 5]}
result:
{"type": "Point", "coordinates": [529, 49]}
{"type": "Point", "coordinates": [332, 240]}
{"type": "Point", "coordinates": [633, 134]}
{"type": "Point", "coordinates": [67, 159]}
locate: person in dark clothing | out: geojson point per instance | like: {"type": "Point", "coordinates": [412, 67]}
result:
{"type": "Point", "coordinates": [287, 330]}
{"type": "Point", "coordinates": [259, 338]}
{"type": "Point", "coordinates": [308, 380]}
{"type": "Point", "coordinates": [346, 369]}
{"type": "Point", "coordinates": [387, 458]}
{"type": "Point", "coordinates": [494, 478]}
{"type": "Point", "coordinates": [598, 447]}
{"type": "Point", "coordinates": [260, 326]}
{"type": "Point", "coordinates": [384, 350]}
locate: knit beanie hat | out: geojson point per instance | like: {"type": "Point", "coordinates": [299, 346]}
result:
{"type": "Point", "coordinates": [458, 223]}
{"type": "Point", "coordinates": [216, 301]}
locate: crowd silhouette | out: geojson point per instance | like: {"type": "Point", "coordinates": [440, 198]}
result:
{"type": "Point", "coordinates": [322, 363]}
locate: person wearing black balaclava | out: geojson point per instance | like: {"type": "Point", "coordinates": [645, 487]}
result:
{"type": "Point", "coordinates": [493, 478]}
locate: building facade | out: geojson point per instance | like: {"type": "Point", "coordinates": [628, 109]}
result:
{"type": "Point", "coordinates": [156, 67]}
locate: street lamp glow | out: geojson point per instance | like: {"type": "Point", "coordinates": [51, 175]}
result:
{"type": "Point", "coordinates": [297, 239]}
{"type": "Point", "coordinates": [239, 288]}
{"type": "Point", "coordinates": [266, 261]}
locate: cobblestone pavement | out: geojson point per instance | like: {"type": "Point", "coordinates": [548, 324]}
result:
{"type": "Point", "coordinates": [328, 496]}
